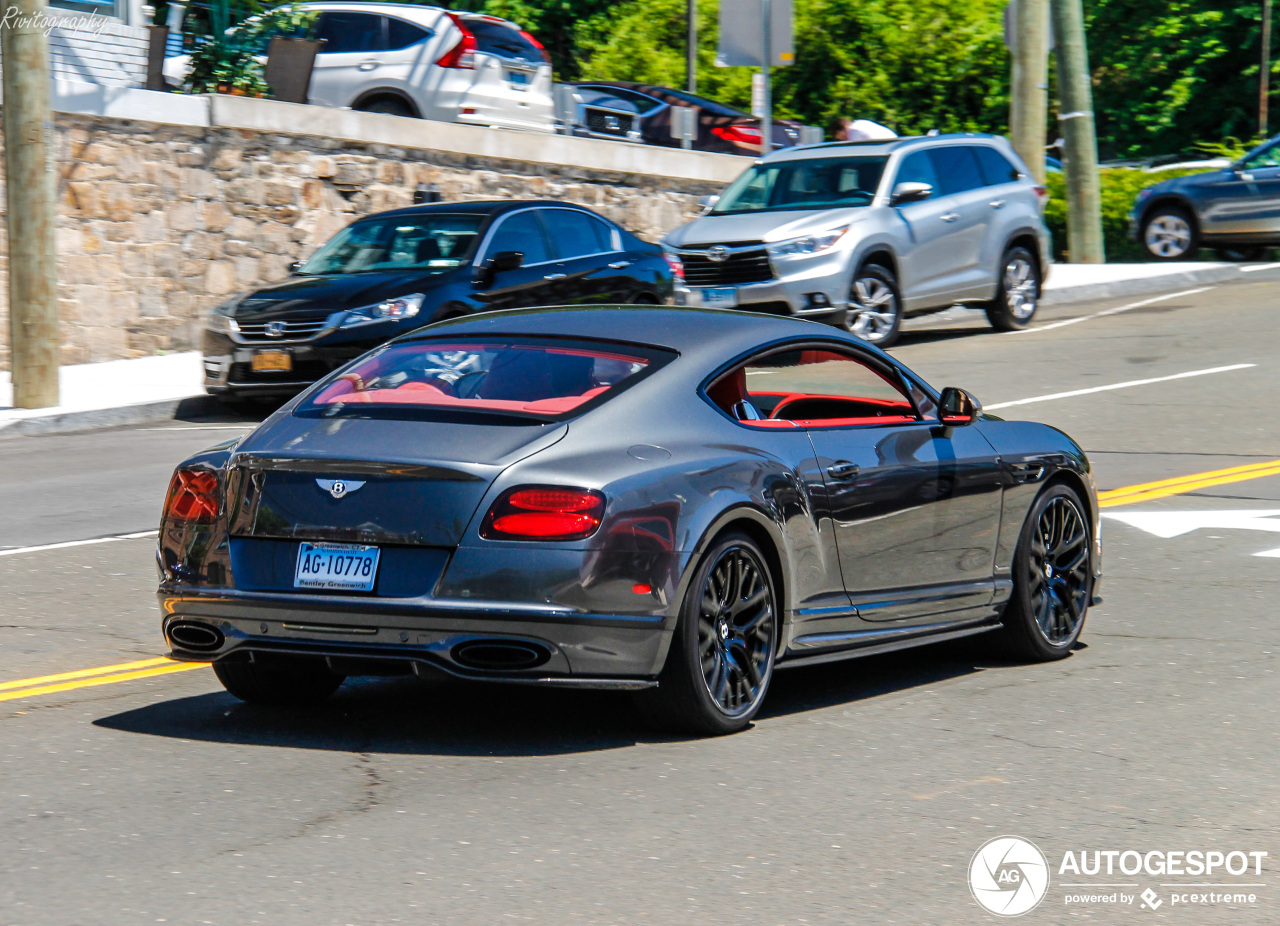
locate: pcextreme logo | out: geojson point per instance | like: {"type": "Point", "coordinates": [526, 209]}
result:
{"type": "Point", "coordinates": [1008, 876]}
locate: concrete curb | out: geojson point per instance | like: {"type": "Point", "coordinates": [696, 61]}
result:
{"type": "Point", "coordinates": [95, 418]}
{"type": "Point", "coordinates": [1140, 286]}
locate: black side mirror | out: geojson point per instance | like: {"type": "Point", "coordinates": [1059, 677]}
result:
{"type": "Point", "coordinates": [957, 408]}
{"type": "Point", "coordinates": [504, 261]}
{"type": "Point", "coordinates": [909, 192]}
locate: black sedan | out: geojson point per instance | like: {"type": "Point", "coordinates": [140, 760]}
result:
{"type": "Point", "coordinates": [387, 274]}
{"type": "Point", "coordinates": [642, 112]}
{"type": "Point", "coordinates": [671, 501]}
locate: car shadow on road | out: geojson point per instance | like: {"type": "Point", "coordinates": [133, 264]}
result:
{"type": "Point", "coordinates": [413, 717]}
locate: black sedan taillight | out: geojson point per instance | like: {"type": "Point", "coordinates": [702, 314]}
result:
{"type": "Point", "coordinates": [544, 513]}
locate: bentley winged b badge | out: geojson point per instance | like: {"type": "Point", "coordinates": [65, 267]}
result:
{"type": "Point", "coordinates": [339, 487]}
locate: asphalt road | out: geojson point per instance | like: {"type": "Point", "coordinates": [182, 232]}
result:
{"type": "Point", "coordinates": [859, 796]}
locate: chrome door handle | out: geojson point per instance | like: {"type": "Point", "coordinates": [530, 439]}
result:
{"type": "Point", "coordinates": [555, 276]}
{"type": "Point", "coordinates": [997, 203]}
{"type": "Point", "coordinates": [950, 216]}
{"type": "Point", "coordinates": [366, 65]}
{"type": "Point", "coordinates": [843, 469]}
{"type": "Point", "coordinates": [619, 264]}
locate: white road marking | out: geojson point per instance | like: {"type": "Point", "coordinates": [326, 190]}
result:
{"type": "Point", "coordinates": [1116, 311]}
{"type": "Point", "coordinates": [1132, 382]}
{"type": "Point", "coordinates": [1256, 267]}
{"type": "Point", "coordinates": [77, 543]}
{"type": "Point", "coordinates": [1176, 523]}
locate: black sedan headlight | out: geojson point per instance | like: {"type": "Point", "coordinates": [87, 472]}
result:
{"type": "Point", "coordinates": [387, 310]}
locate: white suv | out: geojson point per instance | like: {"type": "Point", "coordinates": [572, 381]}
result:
{"type": "Point", "coordinates": [425, 61]}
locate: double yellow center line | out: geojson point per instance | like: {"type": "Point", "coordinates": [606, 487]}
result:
{"type": "Point", "coordinates": [86, 678]}
{"type": "Point", "coordinates": [1147, 491]}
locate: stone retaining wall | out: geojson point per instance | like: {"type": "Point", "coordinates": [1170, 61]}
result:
{"type": "Point", "coordinates": [160, 222]}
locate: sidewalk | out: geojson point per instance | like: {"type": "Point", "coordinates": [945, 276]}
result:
{"type": "Point", "coordinates": [104, 395]}
{"type": "Point", "coordinates": [121, 392]}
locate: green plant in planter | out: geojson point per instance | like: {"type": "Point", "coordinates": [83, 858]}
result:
{"type": "Point", "coordinates": [229, 59]}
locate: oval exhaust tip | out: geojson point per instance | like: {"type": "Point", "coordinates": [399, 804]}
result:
{"type": "Point", "coordinates": [499, 655]}
{"type": "Point", "coordinates": [197, 637]}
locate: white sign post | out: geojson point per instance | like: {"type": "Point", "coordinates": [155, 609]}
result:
{"type": "Point", "coordinates": [757, 33]}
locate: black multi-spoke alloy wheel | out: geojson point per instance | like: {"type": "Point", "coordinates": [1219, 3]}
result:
{"type": "Point", "coordinates": [721, 658]}
{"type": "Point", "coordinates": [1052, 577]}
{"type": "Point", "coordinates": [1018, 294]}
{"type": "Point", "coordinates": [875, 306]}
{"type": "Point", "coordinates": [278, 681]}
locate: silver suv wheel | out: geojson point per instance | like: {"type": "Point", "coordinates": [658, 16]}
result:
{"type": "Point", "coordinates": [1021, 286]}
{"type": "Point", "coordinates": [875, 311]}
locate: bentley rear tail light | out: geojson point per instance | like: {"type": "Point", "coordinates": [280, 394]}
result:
{"type": "Point", "coordinates": [543, 513]}
{"type": "Point", "coordinates": [193, 496]}
{"type": "Point", "coordinates": [462, 55]}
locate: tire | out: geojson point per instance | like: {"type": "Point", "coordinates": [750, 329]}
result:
{"type": "Point", "coordinates": [1018, 292]}
{"type": "Point", "coordinates": [278, 681]}
{"type": "Point", "coordinates": [1052, 586]}
{"type": "Point", "coordinates": [387, 105]}
{"type": "Point", "coordinates": [1169, 233]}
{"type": "Point", "coordinates": [706, 686]}
{"type": "Point", "coordinates": [875, 306]}
{"type": "Point", "coordinates": [1243, 254]}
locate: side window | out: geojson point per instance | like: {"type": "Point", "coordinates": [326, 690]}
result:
{"type": "Point", "coordinates": [957, 169]}
{"type": "Point", "coordinates": [918, 168]}
{"type": "Point", "coordinates": [575, 234]}
{"type": "Point", "coordinates": [350, 32]}
{"type": "Point", "coordinates": [996, 168]}
{"type": "Point", "coordinates": [521, 232]}
{"type": "Point", "coordinates": [402, 34]}
{"type": "Point", "coordinates": [812, 387]}
{"type": "Point", "coordinates": [1268, 157]}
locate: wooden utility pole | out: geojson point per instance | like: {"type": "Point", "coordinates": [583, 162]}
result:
{"type": "Point", "coordinates": [29, 187]}
{"type": "Point", "coordinates": [1264, 88]}
{"type": "Point", "coordinates": [1029, 100]}
{"type": "Point", "coordinates": [691, 50]}
{"type": "Point", "coordinates": [1084, 194]}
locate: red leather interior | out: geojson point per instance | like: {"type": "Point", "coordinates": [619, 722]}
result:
{"type": "Point", "coordinates": [417, 393]}
{"type": "Point", "coordinates": [729, 390]}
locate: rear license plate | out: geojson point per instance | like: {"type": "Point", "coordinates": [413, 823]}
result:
{"type": "Point", "coordinates": [722, 298]}
{"type": "Point", "coordinates": [271, 361]}
{"type": "Point", "coordinates": [340, 566]}
{"type": "Point", "coordinates": [519, 79]}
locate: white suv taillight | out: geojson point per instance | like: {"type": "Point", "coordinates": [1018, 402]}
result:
{"type": "Point", "coordinates": [462, 55]}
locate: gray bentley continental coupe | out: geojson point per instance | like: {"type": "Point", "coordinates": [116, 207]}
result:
{"type": "Point", "coordinates": [671, 501]}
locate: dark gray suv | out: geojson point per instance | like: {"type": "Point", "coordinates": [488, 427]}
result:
{"type": "Point", "coordinates": [1236, 210]}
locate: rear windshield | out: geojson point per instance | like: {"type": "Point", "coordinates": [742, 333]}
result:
{"type": "Point", "coordinates": [809, 183]}
{"type": "Point", "coordinates": [431, 242]}
{"type": "Point", "coordinates": [531, 378]}
{"type": "Point", "coordinates": [500, 39]}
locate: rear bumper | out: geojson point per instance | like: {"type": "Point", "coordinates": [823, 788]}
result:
{"type": "Point", "coordinates": [581, 649]}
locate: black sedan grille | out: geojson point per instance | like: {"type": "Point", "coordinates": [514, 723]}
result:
{"type": "Point", "coordinates": [608, 122]}
{"type": "Point", "coordinates": [287, 331]}
{"type": "Point", "coordinates": [741, 267]}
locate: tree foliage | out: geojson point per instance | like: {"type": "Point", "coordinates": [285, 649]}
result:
{"type": "Point", "coordinates": [1168, 73]}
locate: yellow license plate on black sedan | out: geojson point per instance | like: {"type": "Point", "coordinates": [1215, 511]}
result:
{"type": "Point", "coordinates": [272, 361]}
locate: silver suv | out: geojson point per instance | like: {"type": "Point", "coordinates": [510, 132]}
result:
{"type": "Point", "coordinates": [865, 234]}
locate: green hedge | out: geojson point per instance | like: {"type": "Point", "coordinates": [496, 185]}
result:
{"type": "Point", "coordinates": [1120, 187]}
